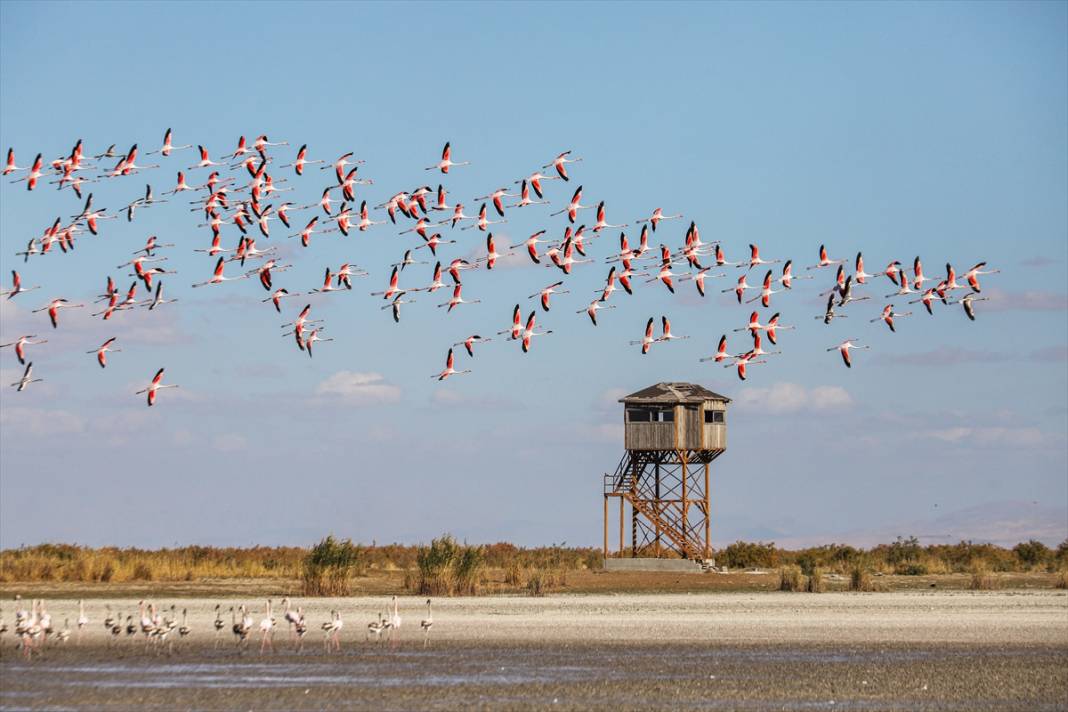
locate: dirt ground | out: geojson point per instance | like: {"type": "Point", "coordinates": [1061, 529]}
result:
{"type": "Point", "coordinates": [381, 583]}
{"type": "Point", "coordinates": [945, 650]}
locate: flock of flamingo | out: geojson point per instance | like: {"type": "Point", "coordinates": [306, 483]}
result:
{"type": "Point", "coordinates": [158, 630]}
{"type": "Point", "coordinates": [239, 196]}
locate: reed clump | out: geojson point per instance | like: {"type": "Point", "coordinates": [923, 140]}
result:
{"type": "Point", "coordinates": [983, 579]}
{"type": "Point", "coordinates": [542, 581]}
{"type": "Point", "coordinates": [330, 566]}
{"type": "Point", "coordinates": [791, 578]}
{"type": "Point", "coordinates": [816, 582]}
{"type": "Point", "coordinates": [447, 568]}
{"type": "Point", "coordinates": [860, 579]}
{"type": "Point", "coordinates": [1062, 579]}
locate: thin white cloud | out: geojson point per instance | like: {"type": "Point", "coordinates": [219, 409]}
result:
{"type": "Point", "coordinates": [1030, 300]}
{"type": "Point", "coordinates": [992, 436]}
{"type": "Point", "coordinates": [39, 422]}
{"type": "Point", "coordinates": [785, 397]}
{"type": "Point", "coordinates": [359, 388]}
{"type": "Point", "coordinates": [230, 442]}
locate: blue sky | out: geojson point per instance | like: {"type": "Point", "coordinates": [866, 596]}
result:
{"type": "Point", "coordinates": [899, 129]}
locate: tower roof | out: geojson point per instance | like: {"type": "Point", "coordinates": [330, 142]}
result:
{"type": "Point", "coordinates": [673, 393]}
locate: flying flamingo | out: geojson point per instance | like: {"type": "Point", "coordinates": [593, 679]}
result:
{"type": "Point", "coordinates": [313, 336]}
{"type": "Point", "coordinates": [825, 260]}
{"type": "Point", "coordinates": [482, 221]}
{"type": "Point", "coordinates": [739, 289]}
{"type": "Point", "coordinates": [844, 347]}
{"type": "Point", "coordinates": [516, 330]}
{"type": "Point", "coordinates": [742, 362]}
{"type": "Point", "coordinates": [155, 386]}
{"type": "Point", "coordinates": [531, 245]}
{"type": "Point", "coordinates": [205, 160]}
{"type": "Point", "coordinates": [525, 199]}
{"type": "Point", "coordinates": [395, 305]}
{"type": "Point", "coordinates": [457, 299]}
{"type": "Point", "coordinates": [218, 277]}
{"type": "Point", "coordinates": [365, 221]}
{"type": "Point", "coordinates": [755, 259]}
{"type": "Point", "coordinates": [16, 286]}
{"type": "Point", "coordinates": [574, 206]}
{"type": "Point", "coordinates": [301, 161]}
{"type": "Point", "coordinates": [496, 197]}
{"type": "Point", "coordinates": [560, 162]}
{"type": "Point", "coordinates": [547, 292]}
{"type": "Point", "coordinates": [393, 289]}
{"type": "Point", "coordinates": [10, 166]}
{"type": "Point", "coordinates": [721, 352]}
{"type": "Point", "coordinates": [34, 174]}
{"type": "Point", "coordinates": [592, 309]}
{"type": "Point", "coordinates": [168, 146]}
{"type": "Point", "coordinates": [666, 335]}
{"type": "Point", "coordinates": [648, 340]}
{"type": "Point", "coordinates": [449, 370]}
{"type": "Point", "coordinates": [53, 308]}
{"type": "Point", "coordinates": [27, 378]}
{"type": "Point", "coordinates": [656, 217]}
{"type": "Point", "coordinates": [529, 333]}
{"type": "Point", "coordinates": [765, 292]}
{"type": "Point", "coordinates": [889, 315]}
{"type": "Point", "coordinates": [21, 344]}
{"type": "Point", "coordinates": [847, 293]}
{"type": "Point", "coordinates": [966, 302]}
{"type": "Point", "coordinates": [972, 275]}
{"type": "Point", "coordinates": [157, 298]}
{"type": "Point", "coordinates": [788, 276]}
{"type": "Point", "coordinates": [101, 353]}
{"type": "Point", "coordinates": [602, 223]}
{"type": "Point", "coordinates": [446, 161]}
{"type": "Point", "coordinates": [469, 343]}
{"type": "Point", "coordinates": [927, 298]}
{"type": "Point", "coordinates": [828, 314]}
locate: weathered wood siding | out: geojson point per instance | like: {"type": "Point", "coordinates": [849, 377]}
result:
{"type": "Point", "coordinates": [690, 430]}
{"type": "Point", "coordinates": [715, 436]}
{"type": "Point", "coordinates": [650, 436]}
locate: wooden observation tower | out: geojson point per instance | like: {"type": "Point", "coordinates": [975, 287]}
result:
{"type": "Point", "coordinates": [673, 432]}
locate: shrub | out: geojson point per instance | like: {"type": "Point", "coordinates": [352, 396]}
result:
{"type": "Point", "coordinates": [743, 555]}
{"type": "Point", "coordinates": [1062, 580]}
{"type": "Point", "coordinates": [1032, 553]}
{"type": "Point", "coordinates": [448, 569]}
{"type": "Point", "coordinates": [790, 578]}
{"type": "Point", "coordinates": [514, 574]}
{"type": "Point", "coordinates": [816, 583]}
{"type": "Point", "coordinates": [913, 569]}
{"type": "Point", "coordinates": [860, 580]}
{"type": "Point", "coordinates": [982, 579]}
{"type": "Point", "coordinates": [329, 567]}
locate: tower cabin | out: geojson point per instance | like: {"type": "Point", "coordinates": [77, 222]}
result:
{"type": "Point", "coordinates": [675, 416]}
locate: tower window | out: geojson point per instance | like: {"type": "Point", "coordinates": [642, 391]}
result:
{"type": "Point", "coordinates": [714, 416]}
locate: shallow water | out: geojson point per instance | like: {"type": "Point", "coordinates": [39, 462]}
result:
{"type": "Point", "coordinates": [575, 676]}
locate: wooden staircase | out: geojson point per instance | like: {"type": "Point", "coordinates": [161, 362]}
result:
{"type": "Point", "coordinates": [667, 520]}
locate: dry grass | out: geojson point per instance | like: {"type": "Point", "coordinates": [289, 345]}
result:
{"type": "Point", "coordinates": [816, 584]}
{"type": "Point", "coordinates": [983, 579]}
{"type": "Point", "coordinates": [860, 579]}
{"type": "Point", "coordinates": [905, 561]}
{"type": "Point", "coordinates": [1062, 580]}
{"type": "Point", "coordinates": [791, 579]}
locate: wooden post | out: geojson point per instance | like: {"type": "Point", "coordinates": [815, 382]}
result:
{"type": "Point", "coordinates": [708, 517]}
{"type": "Point", "coordinates": [685, 504]}
{"type": "Point", "coordinates": [606, 528]}
{"type": "Point", "coordinates": [656, 508]}
{"type": "Point", "coordinates": [621, 527]}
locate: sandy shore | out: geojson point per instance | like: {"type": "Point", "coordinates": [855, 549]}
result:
{"type": "Point", "coordinates": [914, 650]}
